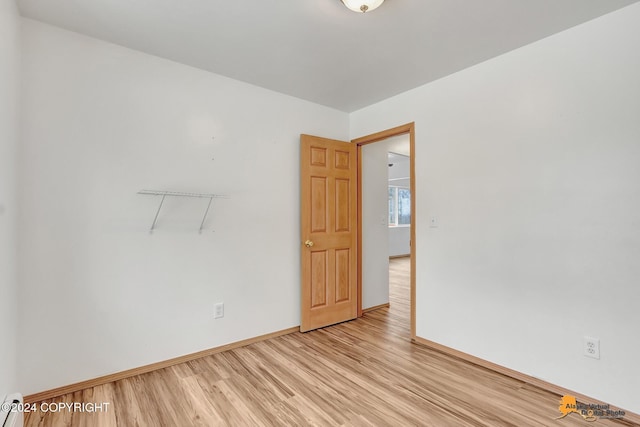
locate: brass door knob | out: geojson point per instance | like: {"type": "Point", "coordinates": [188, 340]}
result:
{"type": "Point", "coordinates": [308, 243]}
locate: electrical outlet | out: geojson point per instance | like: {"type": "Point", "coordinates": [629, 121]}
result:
{"type": "Point", "coordinates": [218, 310]}
{"type": "Point", "coordinates": [592, 347]}
{"type": "Point", "coordinates": [434, 222]}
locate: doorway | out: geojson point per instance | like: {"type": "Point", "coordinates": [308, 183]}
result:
{"type": "Point", "coordinates": [386, 139]}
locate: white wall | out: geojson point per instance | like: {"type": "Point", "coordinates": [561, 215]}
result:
{"type": "Point", "coordinates": [399, 241]}
{"type": "Point", "coordinates": [530, 162]}
{"type": "Point", "coordinates": [99, 294]}
{"type": "Point", "coordinates": [375, 220]}
{"type": "Point", "coordinates": [9, 125]}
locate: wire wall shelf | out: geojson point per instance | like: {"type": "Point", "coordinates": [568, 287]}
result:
{"type": "Point", "coordinates": [165, 194]}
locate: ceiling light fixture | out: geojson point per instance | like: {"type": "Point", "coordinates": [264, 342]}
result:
{"type": "Point", "coordinates": [362, 5]}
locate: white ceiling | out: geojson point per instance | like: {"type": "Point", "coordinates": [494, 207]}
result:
{"type": "Point", "coordinates": [318, 49]}
{"type": "Point", "coordinates": [399, 144]}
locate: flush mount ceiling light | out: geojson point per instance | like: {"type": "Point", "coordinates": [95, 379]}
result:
{"type": "Point", "coordinates": [362, 5]}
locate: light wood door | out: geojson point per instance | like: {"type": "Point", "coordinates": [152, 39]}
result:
{"type": "Point", "coordinates": [328, 231]}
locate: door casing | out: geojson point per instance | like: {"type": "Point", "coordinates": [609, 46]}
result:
{"type": "Point", "coordinates": [409, 129]}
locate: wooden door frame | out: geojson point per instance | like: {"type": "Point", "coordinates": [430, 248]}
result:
{"type": "Point", "coordinates": [409, 128]}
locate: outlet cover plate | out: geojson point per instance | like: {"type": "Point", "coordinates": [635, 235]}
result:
{"type": "Point", "coordinates": [218, 310]}
{"type": "Point", "coordinates": [592, 347]}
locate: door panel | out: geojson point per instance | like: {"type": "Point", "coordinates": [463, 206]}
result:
{"type": "Point", "coordinates": [328, 231]}
{"type": "Point", "coordinates": [343, 195]}
{"type": "Point", "coordinates": [342, 274]}
{"type": "Point", "coordinates": [318, 204]}
{"type": "Point", "coordinates": [319, 267]}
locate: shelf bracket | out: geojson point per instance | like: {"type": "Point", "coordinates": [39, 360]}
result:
{"type": "Point", "coordinates": [205, 215]}
{"type": "Point", "coordinates": [155, 219]}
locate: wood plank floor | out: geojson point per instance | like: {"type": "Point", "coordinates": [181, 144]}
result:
{"type": "Point", "coordinates": [360, 373]}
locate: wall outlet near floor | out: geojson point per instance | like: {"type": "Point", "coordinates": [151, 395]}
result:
{"type": "Point", "coordinates": [592, 347]}
{"type": "Point", "coordinates": [218, 310]}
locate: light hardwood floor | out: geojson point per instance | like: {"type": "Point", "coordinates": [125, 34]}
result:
{"type": "Point", "coordinates": [360, 373]}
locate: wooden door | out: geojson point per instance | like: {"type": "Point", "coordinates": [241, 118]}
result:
{"type": "Point", "coordinates": [328, 231]}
